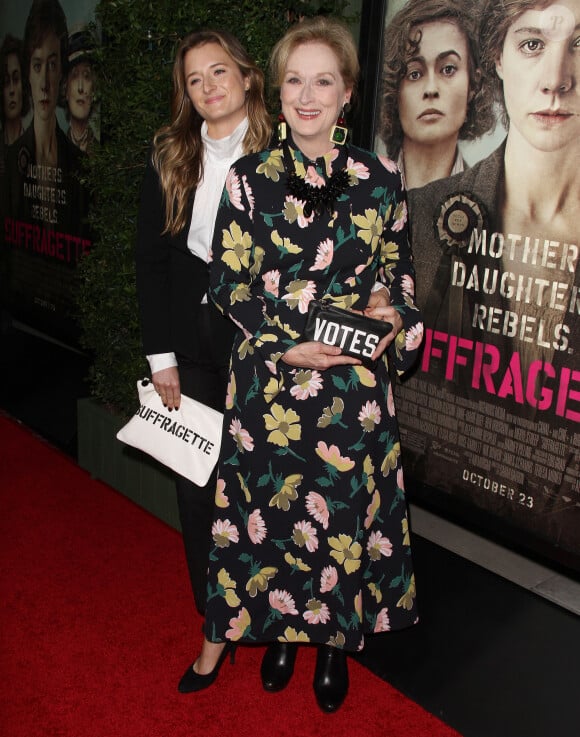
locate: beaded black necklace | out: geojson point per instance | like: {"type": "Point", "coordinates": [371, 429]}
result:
{"type": "Point", "coordinates": [317, 199]}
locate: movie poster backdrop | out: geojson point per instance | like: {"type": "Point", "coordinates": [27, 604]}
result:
{"type": "Point", "coordinates": [491, 415]}
{"type": "Point", "coordinates": [48, 76]}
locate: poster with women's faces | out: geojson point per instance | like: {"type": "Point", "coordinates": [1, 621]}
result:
{"type": "Point", "coordinates": [491, 415]}
{"type": "Point", "coordinates": [50, 124]}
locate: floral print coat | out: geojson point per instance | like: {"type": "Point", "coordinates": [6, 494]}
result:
{"type": "Point", "coordinates": [310, 537]}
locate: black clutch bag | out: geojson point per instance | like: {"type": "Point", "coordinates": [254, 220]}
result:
{"type": "Point", "coordinates": [356, 335]}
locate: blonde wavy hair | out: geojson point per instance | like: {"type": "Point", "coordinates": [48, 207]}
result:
{"type": "Point", "coordinates": [178, 147]}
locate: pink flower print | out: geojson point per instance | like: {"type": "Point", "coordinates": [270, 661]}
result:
{"type": "Point", "coordinates": [224, 533]}
{"type": "Point", "coordinates": [294, 212]}
{"type": "Point", "coordinates": [389, 164]}
{"type": "Point", "coordinates": [239, 625]}
{"type": "Point", "coordinates": [372, 509]}
{"type": "Point", "coordinates": [383, 623]}
{"type": "Point", "coordinates": [316, 506]}
{"type": "Point", "coordinates": [414, 337]}
{"type": "Point", "coordinates": [234, 189]}
{"type": "Point", "coordinates": [408, 285]}
{"type": "Point", "coordinates": [307, 384]}
{"type": "Point", "coordinates": [324, 255]}
{"type": "Point", "coordinates": [378, 545]}
{"type": "Point", "coordinates": [272, 282]}
{"type": "Point", "coordinates": [303, 292]}
{"type": "Point", "coordinates": [282, 602]}
{"type": "Point", "coordinates": [400, 480]}
{"type": "Point", "coordinates": [221, 499]}
{"type": "Point", "coordinates": [333, 457]}
{"type": "Point", "coordinates": [304, 535]}
{"type": "Point", "coordinates": [370, 415]}
{"type": "Point", "coordinates": [400, 217]}
{"type": "Point", "coordinates": [328, 579]}
{"type": "Point", "coordinates": [242, 437]}
{"type": "Point", "coordinates": [391, 401]}
{"type": "Point", "coordinates": [357, 169]}
{"type": "Point", "coordinates": [316, 612]}
{"type": "Point", "coordinates": [249, 195]}
{"type": "Point", "coordinates": [313, 178]}
{"type": "Point", "coordinates": [257, 531]}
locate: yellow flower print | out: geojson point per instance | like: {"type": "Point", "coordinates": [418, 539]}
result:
{"type": "Point", "coordinates": [237, 247]}
{"type": "Point", "coordinates": [333, 457]}
{"type": "Point", "coordinates": [231, 392]}
{"type": "Point", "coordinates": [366, 377]}
{"type": "Point", "coordinates": [283, 426]}
{"type": "Point", "coordinates": [240, 293]}
{"type": "Point", "coordinates": [227, 588]}
{"type": "Point", "coordinates": [391, 458]}
{"type": "Point", "coordinates": [265, 338]}
{"type": "Point", "coordinates": [346, 552]}
{"type": "Point", "coordinates": [256, 266]}
{"type": "Point", "coordinates": [290, 635]}
{"type": "Point", "coordinates": [406, 601]}
{"type": "Point", "coordinates": [259, 581]}
{"type": "Point", "coordinates": [273, 166]}
{"type": "Point", "coordinates": [331, 415]}
{"type": "Point", "coordinates": [358, 606]}
{"type": "Point", "coordinates": [390, 251]}
{"type": "Point", "coordinates": [284, 245]}
{"type": "Point", "coordinates": [273, 388]}
{"type": "Point", "coordinates": [275, 321]}
{"type": "Point", "coordinates": [338, 640]}
{"type": "Point", "coordinates": [376, 593]}
{"type": "Point", "coordinates": [288, 493]}
{"type": "Point", "coordinates": [372, 509]}
{"type": "Point", "coordinates": [297, 564]}
{"type": "Point", "coordinates": [371, 226]}
{"type": "Point", "coordinates": [244, 487]}
{"type": "Point", "coordinates": [246, 349]}
{"type": "Point", "coordinates": [406, 536]}
{"type": "Point", "coordinates": [369, 470]}
{"type": "Point", "coordinates": [240, 625]}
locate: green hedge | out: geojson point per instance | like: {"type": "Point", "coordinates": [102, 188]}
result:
{"type": "Point", "coordinates": [139, 39]}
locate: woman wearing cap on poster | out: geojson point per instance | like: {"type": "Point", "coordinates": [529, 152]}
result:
{"type": "Point", "coordinates": [432, 95]}
{"type": "Point", "coordinates": [80, 89]}
{"type": "Point", "coordinates": [15, 103]}
{"type": "Point", "coordinates": [43, 159]}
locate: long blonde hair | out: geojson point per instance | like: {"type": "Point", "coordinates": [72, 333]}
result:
{"type": "Point", "coordinates": [178, 147]}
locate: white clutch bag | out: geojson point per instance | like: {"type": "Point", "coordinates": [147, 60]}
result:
{"type": "Point", "coordinates": [187, 439]}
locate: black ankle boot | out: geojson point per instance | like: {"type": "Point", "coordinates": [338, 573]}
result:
{"type": "Point", "coordinates": [278, 665]}
{"type": "Point", "coordinates": [330, 677]}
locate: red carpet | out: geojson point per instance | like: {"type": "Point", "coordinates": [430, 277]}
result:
{"type": "Point", "coordinates": [97, 624]}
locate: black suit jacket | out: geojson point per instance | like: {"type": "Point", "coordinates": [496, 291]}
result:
{"type": "Point", "coordinates": [171, 283]}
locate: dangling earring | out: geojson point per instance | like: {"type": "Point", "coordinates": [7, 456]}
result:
{"type": "Point", "coordinates": [282, 128]}
{"type": "Point", "coordinates": [339, 131]}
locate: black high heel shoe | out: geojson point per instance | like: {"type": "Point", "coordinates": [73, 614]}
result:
{"type": "Point", "coordinates": [330, 677]}
{"type": "Point", "coordinates": [278, 665]}
{"type": "Point", "coordinates": [192, 681]}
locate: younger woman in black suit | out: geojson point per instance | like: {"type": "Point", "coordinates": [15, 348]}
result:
{"type": "Point", "coordinates": [218, 114]}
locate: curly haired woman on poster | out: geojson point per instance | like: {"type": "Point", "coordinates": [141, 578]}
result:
{"type": "Point", "coordinates": [432, 96]}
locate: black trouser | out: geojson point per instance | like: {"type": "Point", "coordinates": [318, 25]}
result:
{"type": "Point", "coordinates": [204, 379]}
